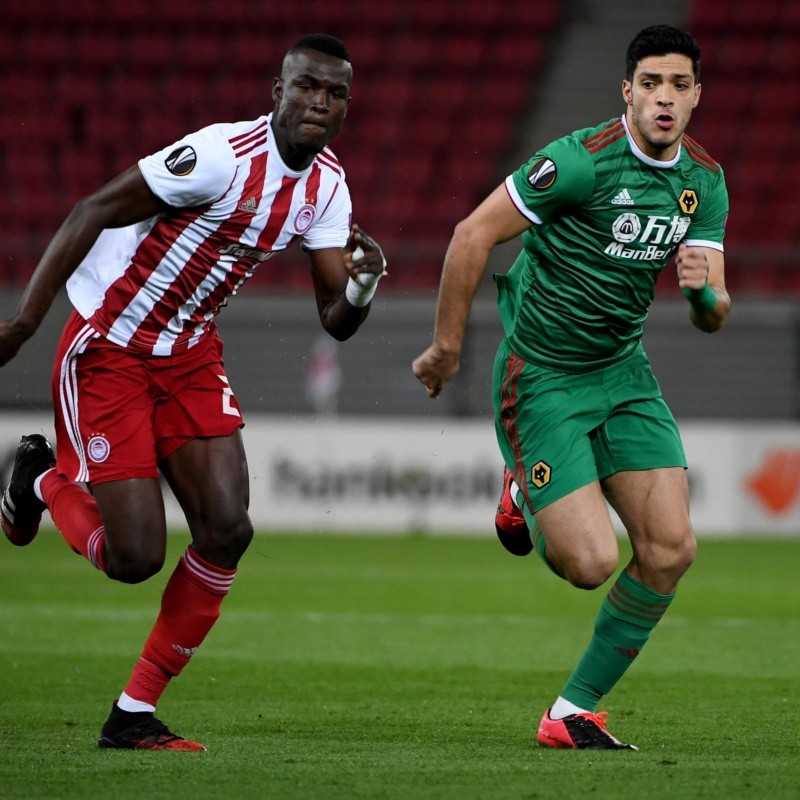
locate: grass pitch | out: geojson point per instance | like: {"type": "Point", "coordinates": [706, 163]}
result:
{"type": "Point", "coordinates": [409, 667]}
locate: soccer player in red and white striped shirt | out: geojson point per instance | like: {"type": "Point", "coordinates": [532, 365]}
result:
{"type": "Point", "coordinates": [139, 384]}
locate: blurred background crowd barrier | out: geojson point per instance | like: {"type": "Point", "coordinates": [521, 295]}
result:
{"type": "Point", "coordinates": [449, 96]}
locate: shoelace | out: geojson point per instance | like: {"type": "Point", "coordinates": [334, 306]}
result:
{"type": "Point", "coordinates": [600, 718]}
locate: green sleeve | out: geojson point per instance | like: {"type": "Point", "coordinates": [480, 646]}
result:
{"type": "Point", "coordinates": [559, 177]}
{"type": "Point", "coordinates": [712, 213]}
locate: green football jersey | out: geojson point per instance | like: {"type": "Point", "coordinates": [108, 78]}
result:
{"type": "Point", "coordinates": [606, 220]}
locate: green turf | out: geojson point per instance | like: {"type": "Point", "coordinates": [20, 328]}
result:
{"type": "Point", "coordinates": [413, 667]}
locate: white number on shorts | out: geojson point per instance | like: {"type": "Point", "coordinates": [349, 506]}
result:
{"type": "Point", "coordinates": [227, 394]}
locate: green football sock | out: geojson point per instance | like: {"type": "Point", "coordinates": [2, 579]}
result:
{"type": "Point", "coordinates": [539, 542]}
{"type": "Point", "coordinates": [627, 615]}
{"type": "Point", "coordinates": [540, 545]}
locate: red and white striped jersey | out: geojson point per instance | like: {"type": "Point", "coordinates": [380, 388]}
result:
{"type": "Point", "coordinates": [155, 286]}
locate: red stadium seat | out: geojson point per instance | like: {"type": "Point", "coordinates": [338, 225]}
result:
{"type": "Point", "coordinates": [24, 91]}
{"type": "Point", "coordinates": [746, 119]}
{"type": "Point", "coordinates": [82, 172]}
{"type": "Point", "coordinates": [438, 90]}
{"type": "Point", "coordinates": [204, 54]}
{"type": "Point", "coordinates": [153, 53]}
{"type": "Point", "coordinates": [101, 54]}
{"type": "Point", "coordinates": [77, 91]}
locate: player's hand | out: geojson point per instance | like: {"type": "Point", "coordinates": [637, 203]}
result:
{"type": "Point", "coordinates": [434, 368]}
{"type": "Point", "coordinates": [12, 337]}
{"type": "Point", "coordinates": [692, 266]}
{"type": "Point", "coordinates": [363, 255]}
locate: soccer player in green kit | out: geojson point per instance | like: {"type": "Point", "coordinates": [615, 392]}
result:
{"type": "Point", "coordinates": [579, 415]}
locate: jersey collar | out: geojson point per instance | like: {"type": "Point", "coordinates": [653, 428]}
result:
{"type": "Point", "coordinates": [645, 158]}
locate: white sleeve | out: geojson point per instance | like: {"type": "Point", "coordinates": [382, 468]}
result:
{"type": "Point", "coordinates": [332, 227]}
{"type": "Point", "coordinates": [197, 169]}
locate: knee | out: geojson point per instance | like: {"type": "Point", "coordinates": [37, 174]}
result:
{"type": "Point", "coordinates": [223, 541]}
{"type": "Point", "coordinates": [239, 536]}
{"type": "Point", "coordinates": [133, 567]}
{"type": "Point", "coordinates": [664, 565]}
{"type": "Point", "coordinates": [589, 571]}
{"type": "Point", "coordinates": [677, 559]}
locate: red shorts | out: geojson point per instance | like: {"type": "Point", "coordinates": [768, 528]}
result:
{"type": "Point", "coordinates": [119, 413]}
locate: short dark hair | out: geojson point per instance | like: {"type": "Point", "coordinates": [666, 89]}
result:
{"type": "Point", "coordinates": [658, 40]}
{"type": "Point", "coordinates": [323, 43]}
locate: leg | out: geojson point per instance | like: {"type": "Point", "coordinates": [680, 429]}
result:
{"type": "Point", "coordinates": [209, 477]}
{"type": "Point", "coordinates": [581, 544]}
{"type": "Point", "coordinates": [210, 480]}
{"type": "Point", "coordinates": [132, 512]}
{"type": "Point", "coordinates": [100, 387]}
{"type": "Point", "coordinates": [653, 504]}
{"type": "Point", "coordinates": [120, 527]}
{"type": "Point", "coordinates": [654, 507]}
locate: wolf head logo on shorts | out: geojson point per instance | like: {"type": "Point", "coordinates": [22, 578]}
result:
{"type": "Point", "coordinates": [98, 448]}
{"type": "Point", "coordinates": [540, 474]}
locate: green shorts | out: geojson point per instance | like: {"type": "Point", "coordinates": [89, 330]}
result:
{"type": "Point", "coordinates": [559, 431]}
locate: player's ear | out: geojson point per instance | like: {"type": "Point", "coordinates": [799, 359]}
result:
{"type": "Point", "coordinates": [277, 89]}
{"type": "Point", "coordinates": [626, 92]}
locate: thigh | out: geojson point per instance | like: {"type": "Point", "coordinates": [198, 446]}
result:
{"type": "Point", "coordinates": [543, 422]}
{"type": "Point", "coordinates": [132, 512]}
{"type": "Point", "coordinates": [103, 409]}
{"type": "Point", "coordinates": [580, 536]}
{"type": "Point", "coordinates": [197, 400]}
{"type": "Point", "coordinates": [210, 480]}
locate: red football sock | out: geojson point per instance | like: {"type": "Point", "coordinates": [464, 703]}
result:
{"type": "Point", "coordinates": [74, 512]}
{"type": "Point", "coordinates": [190, 606]}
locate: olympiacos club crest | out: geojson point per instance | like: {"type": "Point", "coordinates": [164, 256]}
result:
{"type": "Point", "coordinates": [304, 218]}
{"type": "Point", "coordinates": [98, 448]}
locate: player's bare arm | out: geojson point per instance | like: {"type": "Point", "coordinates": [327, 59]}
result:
{"type": "Point", "coordinates": [698, 267]}
{"type": "Point", "coordinates": [123, 201]}
{"type": "Point", "coordinates": [344, 282]}
{"type": "Point", "coordinates": [496, 220]}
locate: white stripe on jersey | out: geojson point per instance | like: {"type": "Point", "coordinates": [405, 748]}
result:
{"type": "Point", "coordinates": [154, 289]}
{"type": "Point", "coordinates": [235, 203]}
{"type": "Point", "coordinates": [68, 396]}
{"type": "Point", "coordinates": [330, 160]}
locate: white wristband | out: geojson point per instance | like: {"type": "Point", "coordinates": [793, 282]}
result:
{"type": "Point", "coordinates": [360, 292]}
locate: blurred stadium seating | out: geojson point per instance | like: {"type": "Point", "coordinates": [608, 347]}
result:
{"type": "Point", "coordinates": [748, 120]}
{"type": "Point", "coordinates": [90, 86]}
{"type": "Point", "coordinates": [439, 92]}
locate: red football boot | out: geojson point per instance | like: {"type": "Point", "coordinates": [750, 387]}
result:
{"type": "Point", "coordinates": [512, 530]}
{"type": "Point", "coordinates": [582, 731]}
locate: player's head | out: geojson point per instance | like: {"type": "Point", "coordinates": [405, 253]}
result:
{"type": "Point", "coordinates": [311, 97]}
{"type": "Point", "coordinates": [660, 40]}
{"type": "Point", "coordinates": [661, 88]}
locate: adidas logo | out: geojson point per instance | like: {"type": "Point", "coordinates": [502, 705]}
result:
{"type": "Point", "coordinates": [249, 206]}
{"type": "Point", "coordinates": [623, 199]}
